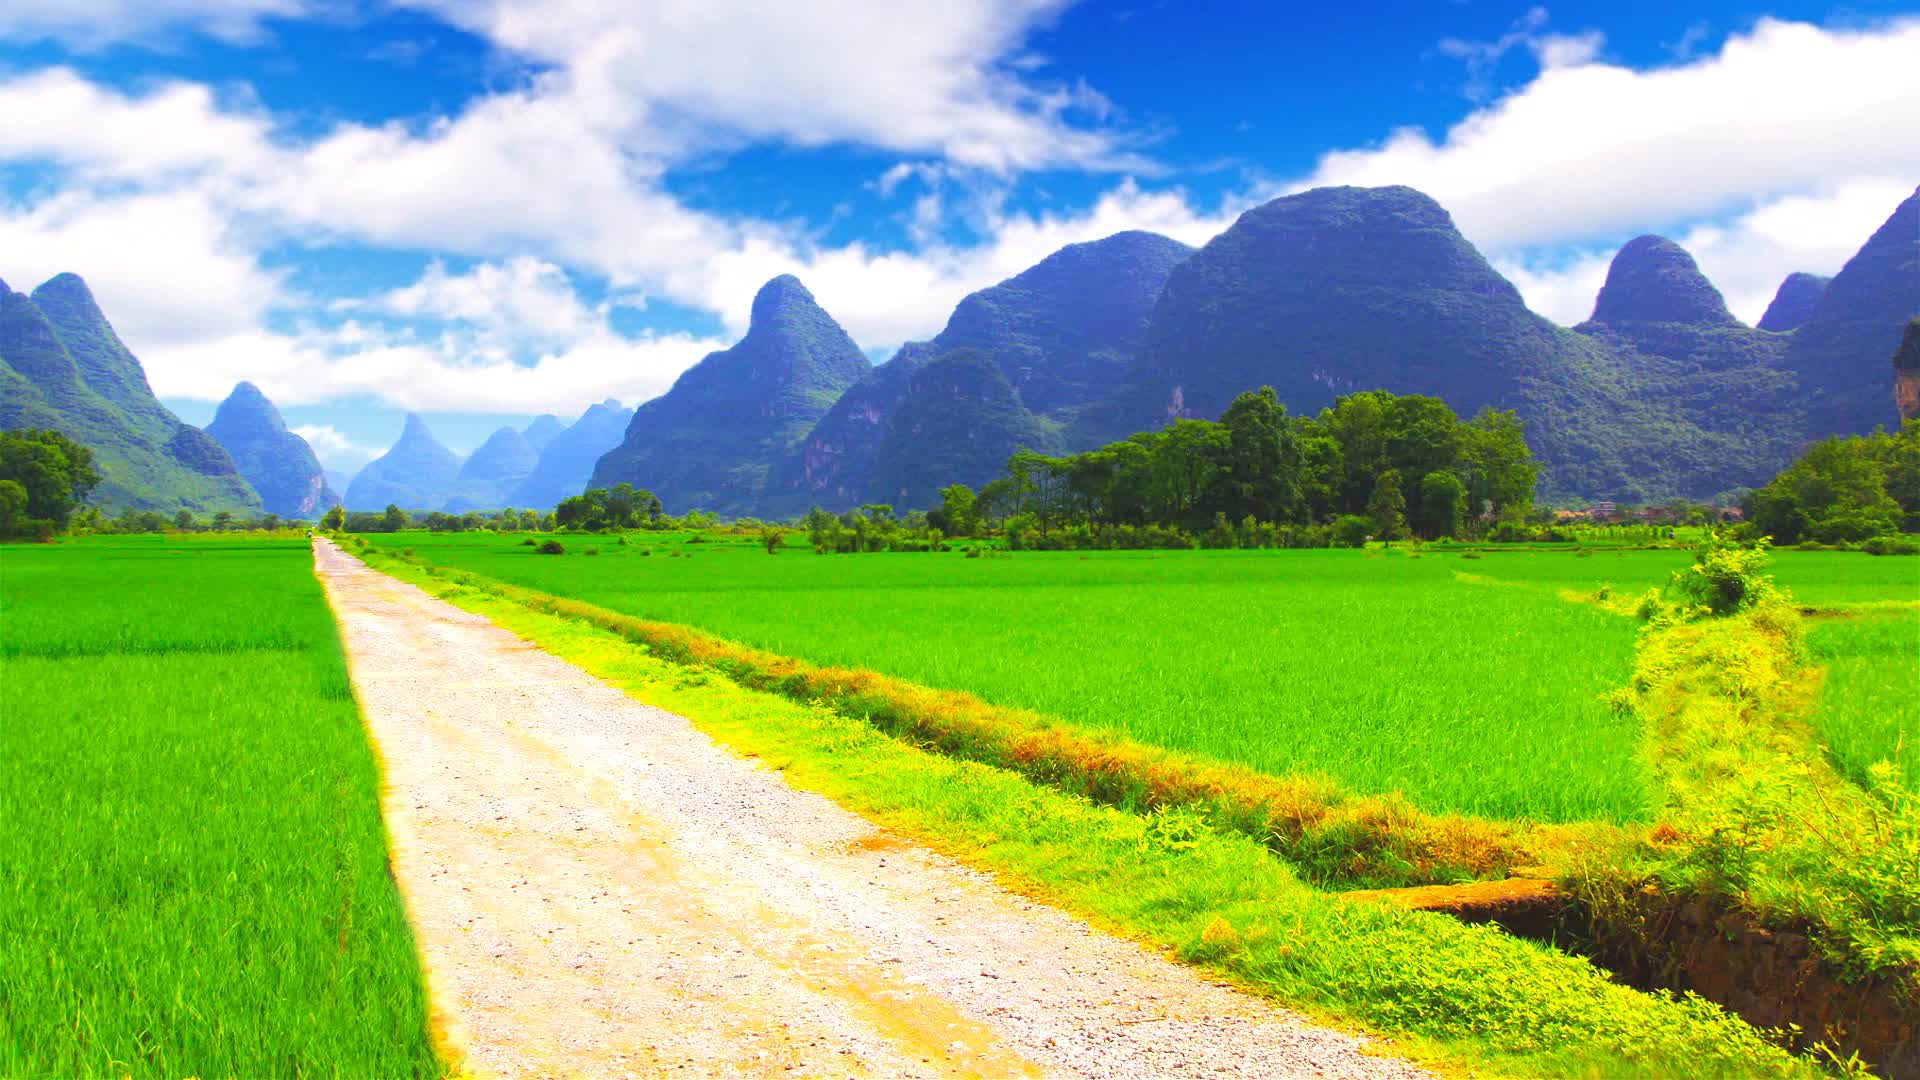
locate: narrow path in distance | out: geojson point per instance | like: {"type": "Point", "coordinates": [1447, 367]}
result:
{"type": "Point", "coordinates": [598, 889]}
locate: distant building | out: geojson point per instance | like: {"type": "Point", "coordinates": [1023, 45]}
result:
{"type": "Point", "coordinates": [1602, 511]}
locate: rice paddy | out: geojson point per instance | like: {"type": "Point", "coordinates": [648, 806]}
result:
{"type": "Point", "coordinates": [1868, 710]}
{"type": "Point", "coordinates": [193, 872]}
{"type": "Point", "coordinates": [1386, 674]}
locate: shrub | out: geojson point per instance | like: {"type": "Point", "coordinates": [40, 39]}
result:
{"type": "Point", "coordinates": [1891, 545]}
{"type": "Point", "coordinates": [529, 542]}
{"type": "Point", "coordinates": [551, 547]}
{"type": "Point", "coordinates": [591, 551]}
{"type": "Point", "coordinates": [1726, 576]}
{"type": "Point", "coordinates": [1352, 530]}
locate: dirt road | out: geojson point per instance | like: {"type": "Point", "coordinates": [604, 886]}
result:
{"type": "Point", "coordinates": [600, 890]}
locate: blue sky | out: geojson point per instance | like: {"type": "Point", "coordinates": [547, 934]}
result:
{"type": "Point", "coordinates": [485, 209]}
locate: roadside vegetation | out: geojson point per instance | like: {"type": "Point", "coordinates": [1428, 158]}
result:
{"type": "Point", "coordinates": [195, 879]}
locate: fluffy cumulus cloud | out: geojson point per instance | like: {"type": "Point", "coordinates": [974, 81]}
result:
{"type": "Point", "coordinates": [917, 76]}
{"type": "Point", "coordinates": [1778, 152]}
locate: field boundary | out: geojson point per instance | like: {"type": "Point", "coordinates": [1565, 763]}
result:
{"type": "Point", "coordinates": [1337, 838]}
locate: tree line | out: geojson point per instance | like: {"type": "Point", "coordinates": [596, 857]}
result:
{"type": "Point", "coordinates": [1373, 464]}
{"type": "Point", "coordinates": [1859, 489]}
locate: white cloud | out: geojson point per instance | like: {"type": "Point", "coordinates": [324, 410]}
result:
{"type": "Point", "coordinates": [934, 77]}
{"type": "Point", "coordinates": [334, 448]}
{"type": "Point", "coordinates": [523, 300]}
{"type": "Point", "coordinates": [56, 115]}
{"type": "Point", "coordinates": [95, 24]}
{"type": "Point", "coordinates": [164, 265]}
{"type": "Point", "coordinates": [1590, 150]}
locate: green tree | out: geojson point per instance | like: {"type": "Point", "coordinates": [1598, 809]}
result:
{"type": "Point", "coordinates": [335, 519]}
{"type": "Point", "coordinates": [1388, 507]}
{"type": "Point", "coordinates": [13, 507]}
{"type": "Point", "coordinates": [1836, 492]}
{"type": "Point", "coordinates": [1443, 504]}
{"type": "Point", "coordinates": [1495, 463]}
{"type": "Point", "coordinates": [956, 515]}
{"type": "Point", "coordinates": [183, 520]}
{"type": "Point", "coordinates": [394, 519]}
{"type": "Point", "coordinates": [223, 521]}
{"type": "Point", "coordinates": [56, 473]}
{"type": "Point", "coordinates": [1260, 470]}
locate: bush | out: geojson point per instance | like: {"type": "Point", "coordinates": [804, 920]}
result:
{"type": "Point", "coordinates": [591, 551]}
{"type": "Point", "coordinates": [551, 547]}
{"type": "Point", "coordinates": [1351, 530]}
{"type": "Point", "coordinates": [528, 542]}
{"type": "Point", "coordinates": [1891, 545]}
{"type": "Point", "coordinates": [1725, 576]}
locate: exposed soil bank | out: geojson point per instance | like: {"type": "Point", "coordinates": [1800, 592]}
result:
{"type": "Point", "coordinates": [1771, 978]}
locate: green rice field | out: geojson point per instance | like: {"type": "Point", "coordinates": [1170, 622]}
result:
{"type": "Point", "coordinates": [1467, 685]}
{"type": "Point", "coordinates": [193, 875]}
{"type": "Point", "coordinates": [1869, 708]}
{"type": "Point", "coordinates": [1388, 674]}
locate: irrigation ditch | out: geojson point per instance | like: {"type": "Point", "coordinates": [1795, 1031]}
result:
{"type": "Point", "coordinates": [1769, 975]}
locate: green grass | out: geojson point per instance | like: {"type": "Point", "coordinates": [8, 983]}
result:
{"type": "Point", "coordinates": [193, 875]}
{"type": "Point", "coordinates": [1387, 674]}
{"type": "Point", "coordinates": [1471, 998]}
{"type": "Point", "coordinates": [1869, 707]}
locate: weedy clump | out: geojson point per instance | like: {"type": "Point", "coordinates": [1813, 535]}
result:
{"type": "Point", "coordinates": [551, 547]}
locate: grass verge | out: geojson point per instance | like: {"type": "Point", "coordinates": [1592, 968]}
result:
{"type": "Point", "coordinates": [1468, 996]}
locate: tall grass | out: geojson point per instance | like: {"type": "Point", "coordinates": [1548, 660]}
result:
{"type": "Point", "coordinates": [1385, 674]}
{"type": "Point", "coordinates": [193, 875]}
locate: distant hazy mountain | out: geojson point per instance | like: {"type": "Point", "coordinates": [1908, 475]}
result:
{"type": "Point", "coordinates": [711, 441]}
{"type": "Point", "coordinates": [958, 422]}
{"type": "Point", "coordinates": [1793, 304]}
{"type": "Point", "coordinates": [279, 464]}
{"type": "Point", "coordinates": [1062, 334]}
{"type": "Point", "coordinates": [1840, 352]}
{"type": "Point", "coordinates": [492, 471]}
{"type": "Point", "coordinates": [63, 367]}
{"type": "Point", "coordinates": [417, 473]}
{"type": "Point", "coordinates": [568, 460]}
{"type": "Point", "coordinates": [542, 431]}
